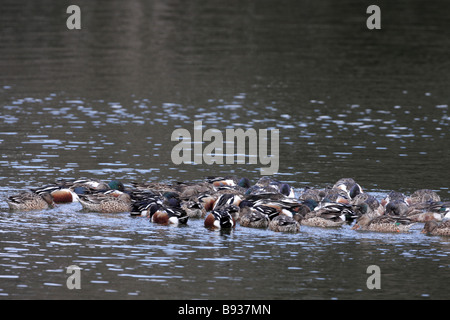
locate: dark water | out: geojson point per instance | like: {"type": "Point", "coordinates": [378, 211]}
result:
{"type": "Point", "coordinates": [103, 101]}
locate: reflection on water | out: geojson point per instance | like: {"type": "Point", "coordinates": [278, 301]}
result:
{"type": "Point", "coordinates": [103, 101]}
{"type": "Point", "coordinates": [133, 141]}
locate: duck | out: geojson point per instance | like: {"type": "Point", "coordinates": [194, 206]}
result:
{"type": "Point", "coordinates": [336, 195]}
{"type": "Point", "coordinates": [189, 190]}
{"type": "Point", "coordinates": [366, 203]}
{"type": "Point", "coordinates": [311, 194]}
{"type": "Point", "coordinates": [424, 216]}
{"type": "Point", "coordinates": [268, 210]}
{"type": "Point", "coordinates": [393, 196]}
{"type": "Point", "coordinates": [427, 211]}
{"type": "Point", "coordinates": [305, 207]}
{"type": "Point", "coordinates": [244, 183]}
{"type": "Point", "coordinates": [273, 208]}
{"type": "Point", "coordinates": [222, 181]}
{"type": "Point", "coordinates": [116, 185]}
{"type": "Point", "coordinates": [145, 206]}
{"type": "Point", "coordinates": [315, 220]}
{"type": "Point", "coordinates": [221, 218]}
{"type": "Point", "coordinates": [227, 199]}
{"type": "Point", "coordinates": [437, 229]}
{"type": "Point", "coordinates": [423, 195]}
{"type": "Point", "coordinates": [60, 194]}
{"type": "Point", "coordinates": [249, 206]}
{"type": "Point", "coordinates": [64, 191]}
{"type": "Point", "coordinates": [269, 185]}
{"type": "Point", "coordinates": [257, 189]}
{"type": "Point", "coordinates": [88, 183]}
{"type": "Point", "coordinates": [396, 208]}
{"type": "Point", "coordinates": [104, 203]}
{"type": "Point", "coordinates": [253, 218]}
{"type": "Point", "coordinates": [207, 201]}
{"type": "Point", "coordinates": [327, 215]}
{"type": "Point", "coordinates": [241, 184]}
{"type": "Point", "coordinates": [26, 201]}
{"type": "Point", "coordinates": [383, 223]}
{"type": "Point", "coordinates": [348, 185]}
{"type": "Point", "coordinates": [169, 216]}
{"type": "Point", "coordinates": [171, 198]}
{"type": "Point", "coordinates": [283, 223]}
{"type": "Point", "coordinates": [154, 187]}
{"type": "Point", "coordinates": [193, 208]}
{"type": "Point", "coordinates": [262, 186]}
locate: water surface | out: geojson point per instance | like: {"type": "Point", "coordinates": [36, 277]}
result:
{"type": "Point", "coordinates": [125, 258]}
{"type": "Point", "coordinates": [103, 101]}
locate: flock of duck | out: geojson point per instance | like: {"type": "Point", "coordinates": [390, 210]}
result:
{"type": "Point", "coordinates": [224, 201]}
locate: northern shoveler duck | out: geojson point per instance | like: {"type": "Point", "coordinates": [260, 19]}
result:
{"type": "Point", "coordinates": [314, 220]}
{"type": "Point", "coordinates": [350, 186]}
{"type": "Point", "coordinates": [237, 190]}
{"type": "Point", "coordinates": [220, 219]}
{"type": "Point", "coordinates": [396, 208]}
{"type": "Point", "coordinates": [268, 210]}
{"type": "Point", "coordinates": [272, 208]}
{"type": "Point", "coordinates": [253, 218]}
{"type": "Point", "coordinates": [221, 181]}
{"type": "Point", "coordinates": [383, 223]}
{"type": "Point", "coordinates": [207, 201]}
{"type": "Point", "coordinates": [59, 193]}
{"type": "Point", "coordinates": [305, 207]}
{"type": "Point", "coordinates": [229, 181]}
{"type": "Point", "coordinates": [269, 185]}
{"type": "Point", "coordinates": [227, 199]}
{"type": "Point", "coordinates": [145, 206]}
{"type": "Point", "coordinates": [336, 195]}
{"type": "Point", "coordinates": [100, 202]}
{"type": "Point", "coordinates": [283, 223]}
{"type": "Point", "coordinates": [189, 190]}
{"type": "Point", "coordinates": [393, 196]}
{"type": "Point", "coordinates": [278, 201]}
{"type": "Point", "coordinates": [327, 215]}
{"type": "Point", "coordinates": [430, 210]}
{"type": "Point", "coordinates": [365, 203]}
{"type": "Point", "coordinates": [27, 201]}
{"type": "Point", "coordinates": [266, 196]}
{"type": "Point", "coordinates": [244, 183]}
{"type": "Point", "coordinates": [91, 184]}
{"type": "Point", "coordinates": [437, 229]}
{"type": "Point", "coordinates": [193, 208]}
{"type": "Point", "coordinates": [64, 190]}
{"type": "Point", "coordinates": [423, 195]}
{"type": "Point", "coordinates": [311, 194]}
{"type": "Point", "coordinates": [229, 190]}
{"type": "Point", "coordinates": [154, 187]}
{"type": "Point", "coordinates": [171, 198]}
{"type": "Point", "coordinates": [424, 217]}
{"type": "Point", "coordinates": [255, 190]}
{"type": "Point", "coordinates": [169, 216]}
{"type": "Point", "coordinates": [217, 182]}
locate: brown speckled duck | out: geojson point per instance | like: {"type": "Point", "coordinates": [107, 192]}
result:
{"type": "Point", "coordinates": [437, 229]}
{"type": "Point", "coordinates": [253, 218]}
{"type": "Point", "coordinates": [423, 195]}
{"type": "Point", "coordinates": [27, 201]}
{"type": "Point", "coordinates": [283, 223]}
{"type": "Point", "coordinates": [105, 203]}
{"type": "Point", "coordinates": [383, 223]}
